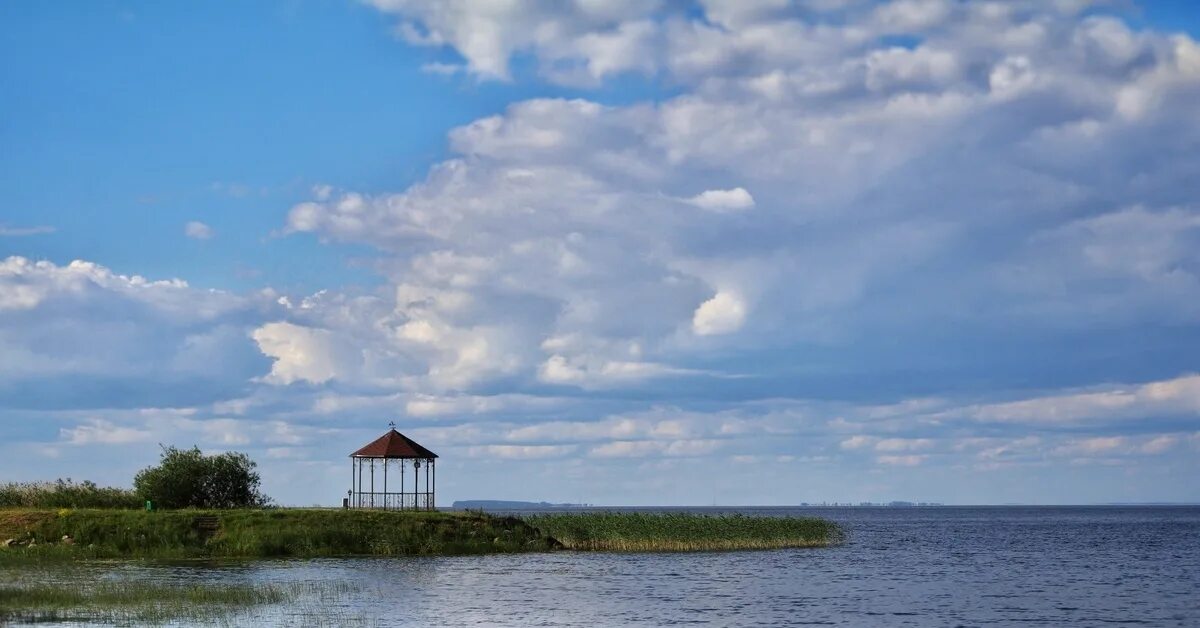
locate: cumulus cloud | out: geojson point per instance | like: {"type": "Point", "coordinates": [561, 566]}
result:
{"type": "Point", "coordinates": [737, 199]}
{"type": "Point", "coordinates": [577, 41]}
{"type": "Point", "coordinates": [300, 353]}
{"type": "Point", "coordinates": [197, 230]}
{"type": "Point", "coordinates": [883, 180]}
{"type": "Point", "coordinates": [977, 247]}
{"type": "Point", "coordinates": [72, 334]}
{"type": "Point", "coordinates": [724, 313]}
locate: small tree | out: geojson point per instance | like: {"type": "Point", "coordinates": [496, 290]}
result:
{"type": "Point", "coordinates": [187, 478]}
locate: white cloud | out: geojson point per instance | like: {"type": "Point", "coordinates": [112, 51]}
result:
{"type": "Point", "coordinates": [724, 313]}
{"type": "Point", "coordinates": [423, 405]}
{"type": "Point", "coordinates": [574, 39]}
{"type": "Point", "coordinates": [903, 444]}
{"type": "Point", "coordinates": [1092, 446]}
{"type": "Point", "coordinates": [25, 284]}
{"type": "Point", "coordinates": [521, 452]}
{"type": "Point", "coordinates": [930, 218]}
{"type": "Point", "coordinates": [588, 372]}
{"type": "Point", "coordinates": [662, 424]}
{"type": "Point", "coordinates": [1118, 446]}
{"type": "Point", "coordinates": [565, 215]}
{"type": "Point", "coordinates": [911, 460]}
{"type": "Point", "coordinates": [642, 449]}
{"type": "Point", "coordinates": [103, 432]}
{"type": "Point", "coordinates": [1159, 444]}
{"type": "Point", "coordinates": [1180, 395]}
{"type": "Point", "coordinates": [81, 326]}
{"type": "Point", "coordinates": [197, 230]}
{"type": "Point", "coordinates": [734, 200]}
{"type": "Point", "coordinates": [300, 353]}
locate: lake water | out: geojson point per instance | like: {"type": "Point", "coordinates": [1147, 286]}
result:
{"type": "Point", "coordinates": [1043, 566]}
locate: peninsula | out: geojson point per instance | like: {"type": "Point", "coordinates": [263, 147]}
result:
{"type": "Point", "coordinates": [313, 532]}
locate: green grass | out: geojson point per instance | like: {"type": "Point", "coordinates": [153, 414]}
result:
{"type": "Point", "coordinates": [133, 601]}
{"type": "Point", "coordinates": [678, 532]}
{"type": "Point", "coordinates": [260, 533]}
{"type": "Point", "coordinates": [299, 532]}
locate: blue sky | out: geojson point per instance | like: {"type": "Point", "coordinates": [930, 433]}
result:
{"type": "Point", "coordinates": [655, 253]}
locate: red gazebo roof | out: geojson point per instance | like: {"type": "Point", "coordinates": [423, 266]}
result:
{"type": "Point", "coordinates": [394, 445]}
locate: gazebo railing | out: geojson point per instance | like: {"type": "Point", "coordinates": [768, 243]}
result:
{"type": "Point", "coordinates": [392, 501]}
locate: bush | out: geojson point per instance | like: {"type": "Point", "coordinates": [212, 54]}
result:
{"type": "Point", "coordinates": [186, 478]}
{"type": "Point", "coordinates": [65, 494]}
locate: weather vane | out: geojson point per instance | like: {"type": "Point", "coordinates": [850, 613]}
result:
{"type": "Point", "coordinates": [391, 424]}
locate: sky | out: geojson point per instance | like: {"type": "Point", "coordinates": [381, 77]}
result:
{"type": "Point", "coordinates": [620, 252]}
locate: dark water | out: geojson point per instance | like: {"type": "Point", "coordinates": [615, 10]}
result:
{"type": "Point", "coordinates": [1086, 566]}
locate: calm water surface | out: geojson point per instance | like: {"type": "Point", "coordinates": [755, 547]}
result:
{"type": "Point", "coordinates": [1084, 566]}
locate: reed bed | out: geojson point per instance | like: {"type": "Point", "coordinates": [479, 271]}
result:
{"type": "Point", "coordinates": [683, 532]}
{"type": "Point", "coordinates": [65, 494]}
{"type": "Point", "coordinates": [133, 601]}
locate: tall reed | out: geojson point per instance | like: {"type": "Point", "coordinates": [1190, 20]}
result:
{"type": "Point", "coordinates": [682, 531]}
{"type": "Point", "coordinates": [132, 601]}
{"type": "Point", "coordinates": [65, 494]}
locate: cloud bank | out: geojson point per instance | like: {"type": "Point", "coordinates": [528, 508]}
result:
{"type": "Point", "coordinates": [850, 237]}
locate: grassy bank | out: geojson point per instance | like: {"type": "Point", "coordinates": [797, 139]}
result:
{"type": "Point", "coordinates": [259, 533]}
{"type": "Point", "coordinates": [130, 601]}
{"type": "Point", "coordinates": [71, 534]}
{"type": "Point", "coordinates": [669, 532]}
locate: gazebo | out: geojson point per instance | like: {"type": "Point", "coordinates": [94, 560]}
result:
{"type": "Point", "coordinates": [392, 446]}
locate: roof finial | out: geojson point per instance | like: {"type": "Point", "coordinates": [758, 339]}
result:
{"type": "Point", "coordinates": [392, 424]}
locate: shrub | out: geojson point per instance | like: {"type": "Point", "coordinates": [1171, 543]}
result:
{"type": "Point", "coordinates": [186, 478]}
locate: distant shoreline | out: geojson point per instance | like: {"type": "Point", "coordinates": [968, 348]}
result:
{"type": "Point", "coordinates": [503, 504]}
{"type": "Point", "coordinates": [517, 506]}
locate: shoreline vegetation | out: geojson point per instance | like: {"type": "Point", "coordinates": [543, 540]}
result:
{"type": "Point", "coordinates": [35, 539]}
{"type": "Point", "coordinates": [42, 534]}
{"type": "Point", "coordinates": [683, 531]}
{"type": "Point", "coordinates": [134, 601]}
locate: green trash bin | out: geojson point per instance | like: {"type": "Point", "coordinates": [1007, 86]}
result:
{"type": "Point", "coordinates": [149, 506]}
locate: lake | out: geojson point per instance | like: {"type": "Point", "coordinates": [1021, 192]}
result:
{"type": "Point", "coordinates": [937, 566]}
